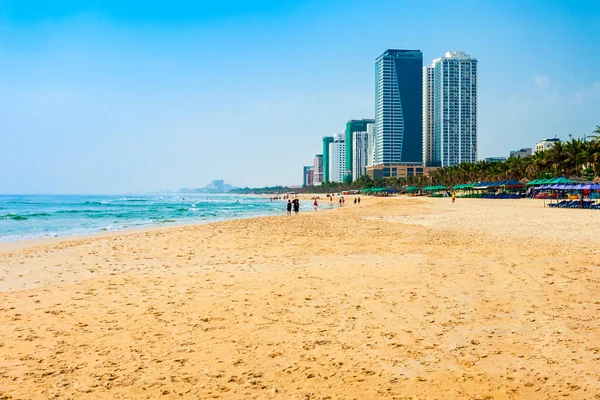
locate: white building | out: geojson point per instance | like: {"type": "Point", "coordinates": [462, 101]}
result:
{"type": "Point", "coordinates": [371, 142]}
{"type": "Point", "coordinates": [337, 158]}
{"type": "Point", "coordinates": [545, 144]}
{"type": "Point", "coordinates": [360, 153]}
{"type": "Point", "coordinates": [451, 123]}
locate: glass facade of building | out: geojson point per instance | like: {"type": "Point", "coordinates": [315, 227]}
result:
{"type": "Point", "coordinates": [399, 107]}
{"type": "Point", "coordinates": [326, 173]}
{"type": "Point", "coordinates": [305, 181]}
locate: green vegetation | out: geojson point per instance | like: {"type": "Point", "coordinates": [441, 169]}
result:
{"type": "Point", "coordinates": [576, 159]}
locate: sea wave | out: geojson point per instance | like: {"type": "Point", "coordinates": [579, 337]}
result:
{"type": "Point", "coordinates": [132, 199]}
{"type": "Point", "coordinates": [15, 217]}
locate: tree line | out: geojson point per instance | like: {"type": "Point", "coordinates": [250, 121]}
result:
{"type": "Point", "coordinates": [577, 159]}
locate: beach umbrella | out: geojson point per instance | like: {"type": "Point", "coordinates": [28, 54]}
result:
{"type": "Point", "coordinates": [562, 179]}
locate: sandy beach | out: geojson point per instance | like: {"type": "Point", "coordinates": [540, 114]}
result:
{"type": "Point", "coordinates": [393, 298]}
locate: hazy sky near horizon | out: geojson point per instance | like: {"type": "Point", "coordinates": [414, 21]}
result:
{"type": "Point", "coordinates": [106, 96]}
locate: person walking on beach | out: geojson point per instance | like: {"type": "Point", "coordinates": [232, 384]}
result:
{"type": "Point", "coordinates": [359, 200]}
{"type": "Point", "coordinates": [355, 200]}
{"type": "Point", "coordinates": [296, 206]}
{"type": "Point", "coordinates": [289, 207]}
{"type": "Point", "coordinates": [453, 197]}
{"type": "Point", "coordinates": [315, 204]}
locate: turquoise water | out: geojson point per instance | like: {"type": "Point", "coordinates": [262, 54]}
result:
{"type": "Point", "coordinates": [25, 217]}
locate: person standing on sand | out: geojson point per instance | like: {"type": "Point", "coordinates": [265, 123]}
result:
{"type": "Point", "coordinates": [289, 207]}
{"type": "Point", "coordinates": [296, 206]}
{"type": "Point", "coordinates": [355, 200]}
{"type": "Point", "coordinates": [453, 197]}
{"type": "Point", "coordinates": [359, 200]}
{"type": "Point", "coordinates": [315, 204]}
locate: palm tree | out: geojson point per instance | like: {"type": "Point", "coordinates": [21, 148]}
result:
{"type": "Point", "coordinates": [576, 152]}
{"type": "Point", "coordinates": [596, 134]}
{"type": "Point", "coordinates": [558, 156]}
{"type": "Point", "coordinates": [592, 155]}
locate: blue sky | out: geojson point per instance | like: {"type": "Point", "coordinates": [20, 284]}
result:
{"type": "Point", "coordinates": [120, 97]}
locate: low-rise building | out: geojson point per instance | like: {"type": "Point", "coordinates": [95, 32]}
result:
{"type": "Point", "coordinates": [545, 144]}
{"type": "Point", "coordinates": [521, 153]}
{"type": "Point", "coordinates": [400, 171]}
{"type": "Point", "coordinates": [495, 159]}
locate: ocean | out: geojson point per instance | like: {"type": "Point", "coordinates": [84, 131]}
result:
{"type": "Point", "coordinates": [25, 217]}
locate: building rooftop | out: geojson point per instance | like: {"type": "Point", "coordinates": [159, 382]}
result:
{"type": "Point", "coordinates": [401, 53]}
{"type": "Point", "coordinates": [455, 55]}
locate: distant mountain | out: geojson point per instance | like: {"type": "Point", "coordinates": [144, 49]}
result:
{"type": "Point", "coordinates": [217, 186]}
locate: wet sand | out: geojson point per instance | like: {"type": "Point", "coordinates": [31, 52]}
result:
{"type": "Point", "coordinates": [395, 298]}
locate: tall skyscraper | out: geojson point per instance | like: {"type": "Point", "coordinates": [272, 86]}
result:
{"type": "Point", "coordinates": [353, 126]}
{"type": "Point", "coordinates": [399, 107]}
{"type": "Point", "coordinates": [318, 170]}
{"type": "Point", "coordinates": [452, 128]}
{"type": "Point", "coordinates": [360, 153]}
{"type": "Point", "coordinates": [337, 158]}
{"type": "Point", "coordinates": [326, 173]}
{"type": "Point", "coordinates": [428, 116]}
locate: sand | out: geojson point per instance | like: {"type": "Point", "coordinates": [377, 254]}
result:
{"type": "Point", "coordinates": [395, 298]}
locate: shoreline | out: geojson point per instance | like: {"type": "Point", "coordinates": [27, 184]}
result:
{"type": "Point", "coordinates": [30, 242]}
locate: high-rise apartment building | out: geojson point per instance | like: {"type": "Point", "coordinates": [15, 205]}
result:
{"type": "Point", "coordinates": [450, 124]}
{"type": "Point", "coordinates": [353, 126]}
{"type": "Point", "coordinates": [326, 174]}
{"type": "Point", "coordinates": [427, 116]}
{"type": "Point", "coordinates": [318, 170]}
{"type": "Point", "coordinates": [337, 158]}
{"type": "Point", "coordinates": [360, 154]}
{"type": "Point", "coordinates": [370, 144]}
{"type": "Point", "coordinates": [399, 107]}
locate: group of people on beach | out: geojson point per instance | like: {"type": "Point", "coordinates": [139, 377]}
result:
{"type": "Point", "coordinates": [293, 204]}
